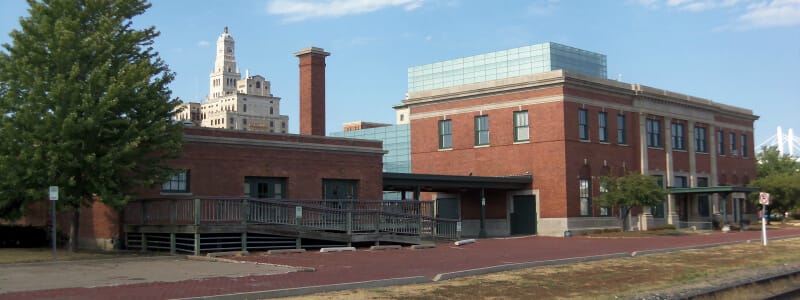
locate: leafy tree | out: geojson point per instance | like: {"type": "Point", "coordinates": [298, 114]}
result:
{"type": "Point", "coordinates": [85, 106]}
{"type": "Point", "coordinates": [771, 162]}
{"type": "Point", "coordinates": [629, 191]}
{"type": "Point", "coordinates": [778, 175]}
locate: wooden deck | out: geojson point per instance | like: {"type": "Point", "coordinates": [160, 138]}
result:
{"type": "Point", "coordinates": [199, 225]}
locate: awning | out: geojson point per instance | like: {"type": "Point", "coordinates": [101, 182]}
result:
{"type": "Point", "coordinates": [445, 183]}
{"type": "Point", "coordinates": [712, 190]}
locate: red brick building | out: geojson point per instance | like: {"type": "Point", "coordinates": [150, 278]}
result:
{"type": "Point", "coordinates": [234, 163]}
{"type": "Point", "coordinates": [567, 130]}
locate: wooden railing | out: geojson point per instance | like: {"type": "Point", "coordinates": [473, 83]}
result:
{"type": "Point", "coordinates": [347, 216]}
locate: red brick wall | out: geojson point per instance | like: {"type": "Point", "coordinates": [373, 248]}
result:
{"type": "Point", "coordinates": [312, 94]}
{"type": "Point", "coordinates": [220, 169]}
{"type": "Point", "coordinates": [96, 222]}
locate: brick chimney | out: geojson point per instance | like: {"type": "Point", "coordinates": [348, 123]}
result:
{"type": "Point", "coordinates": [312, 90]}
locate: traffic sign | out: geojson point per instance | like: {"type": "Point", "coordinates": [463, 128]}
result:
{"type": "Point", "coordinates": [53, 193]}
{"type": "Point", "coordinates": [763, 198]}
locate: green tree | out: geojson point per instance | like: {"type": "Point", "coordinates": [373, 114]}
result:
{"type": "Point", "coordinates": [85, 106]}
{"type": "Point", "coordinates": [778, 175]}
{"type": "Point", "coordinates": [629, 191]}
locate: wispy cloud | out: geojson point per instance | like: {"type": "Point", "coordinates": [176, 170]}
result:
{"type": "Point", "coordinates": [294, 11]}
{"type": "Point", "coordinates": [776, 13]}
{"type": "Point", "coordinates": [203, 43]}
{"type": "Point", "coordinates": [750, 14]}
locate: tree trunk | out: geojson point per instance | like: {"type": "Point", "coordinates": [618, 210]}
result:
{"type": "Point", "coordinates": [626, 211]}
{"type": "Point", "coordinates": [73, 230]}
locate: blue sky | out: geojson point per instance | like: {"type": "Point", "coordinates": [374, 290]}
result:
{"type": "Point", "coordinates": [739, 52]}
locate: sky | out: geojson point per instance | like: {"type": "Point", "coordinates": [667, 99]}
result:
{"type": "Point", "coordinates": [744, 53]}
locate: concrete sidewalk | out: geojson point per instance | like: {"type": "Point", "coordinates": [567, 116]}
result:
{"type": "Point", "coordinates": [364, 268]}
{"type": "Point", "coordinates": [116, 272]}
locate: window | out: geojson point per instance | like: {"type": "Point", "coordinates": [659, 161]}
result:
{"type": "Point", "coordinates": [179, 183]}
{"type": "Point", "coordinates": [244, 107]}
{"type": "Point", "coordinates": [583, 124]}
{"type": "Point", "coordinates": [265, 187]}
{"type": "Point", "coordinates": [680, 182]}
{"type": "Point", "coordinates": [732, 142]}
{"type": "Point", "coordinates": [445, 134]}
{"type": "Point", "coordinates": [677, 137]}
{"type": "Point", "coordinates": [653, 133]}
{"type": "Point", "coordinates": [622, 138]}
{"type": "Point", "coordinates": [700, 139]}
{"type": "Point", "coordinates": [585, 197]}
{"type": "Point", "coordinates": [658, 210]}
{"type": "Point", "coordinates": [339, 189]}
{"type": "Point", "coordinates": [605, 211]}
{"type": "Point", "coordinates": [721, 142]}
{"type": "Point", "coordinates": [271, 110]}
{"type": "Point", "coordinates": [703, 199]}
{"type": "Point", "coordinates": [602, 120]}
{"type": "Point", "coordinates": [244, 121]}
{"type": "Point", "coordinates": [258, 84]}
{"type": "Point", "coordinates": [481, 130]}
{"type": "Point", "coordinates": [744, 145]}
{"type": "Point", "coordinates": [521, 128]}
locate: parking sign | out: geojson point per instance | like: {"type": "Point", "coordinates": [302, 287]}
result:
{"type": "Point", "coordinates": [763, 198]}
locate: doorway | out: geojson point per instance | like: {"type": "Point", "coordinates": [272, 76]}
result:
{"type": "Point", "coordinates": [523, 219]}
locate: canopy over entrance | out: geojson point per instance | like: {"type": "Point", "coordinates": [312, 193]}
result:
{"type": "Point", "coordinates": [418, 183]}
{"type": "Point", "coordinates": [451, 183]}
{"type": "Point", "coordinates": [738, 199]}
{"type": "Point", "coordinates": [712, 190]}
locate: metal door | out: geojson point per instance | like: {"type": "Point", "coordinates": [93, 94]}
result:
{"type": "Point", "coordinates": [523, 219]}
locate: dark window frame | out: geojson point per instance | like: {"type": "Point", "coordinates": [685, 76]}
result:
{"type": "Point", "coordinates": [678, 137]}
{"type": "Point", "coordinates": [744, 145]}
{"type": "Point", "coordinates": [173, 185]}
{"type": "Point", "coordinates": [701, 139]}
{"type": "Point", "coordinates": [482, 130]}
{"type": "Point", "coordinates": [654, 133]}
{"type": "Point", "coordinates": [445, 136]}
{"type": "Point", "coordinates": [622, 134]}
{"type": "Point", "coordinates": [583, 124]}
{"type": "Point", "coordinates": [519, 127]}
{"type": "Point", "coordinates": [602, 121]}
{"type": "Point", "coordinates": [585, 194]}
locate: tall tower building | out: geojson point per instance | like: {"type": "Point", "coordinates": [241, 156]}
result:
{"type": "Point", "coordinates": [234, 102]}
{"type": "Point", "coordinates": [223, 78]}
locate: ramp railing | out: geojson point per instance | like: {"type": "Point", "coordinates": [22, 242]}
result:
{"type": "Point", "coordinates": [348, 216]}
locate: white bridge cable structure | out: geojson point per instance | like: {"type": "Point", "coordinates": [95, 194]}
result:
{"type": "Point", "coordinates": [786, 143]}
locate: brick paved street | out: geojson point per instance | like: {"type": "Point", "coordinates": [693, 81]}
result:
{"type": "Point", "coordinates": [365, 265]}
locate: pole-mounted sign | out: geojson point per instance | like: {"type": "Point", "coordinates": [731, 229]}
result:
{"type": "Point", "coordinates": [763, 199]}
{"type": "Point", "coordinates": [53, 191]}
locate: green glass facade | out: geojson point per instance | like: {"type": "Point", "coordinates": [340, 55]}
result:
{"type": "Point", "coordinates": [396, 140]}
{"type": "Point", "coordinates": [520, 61]}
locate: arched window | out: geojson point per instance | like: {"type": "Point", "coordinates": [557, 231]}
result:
{"type": "Point", "coordinates": [270, 110]}
{"type": "Point", "coordinates": [258, 84]}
